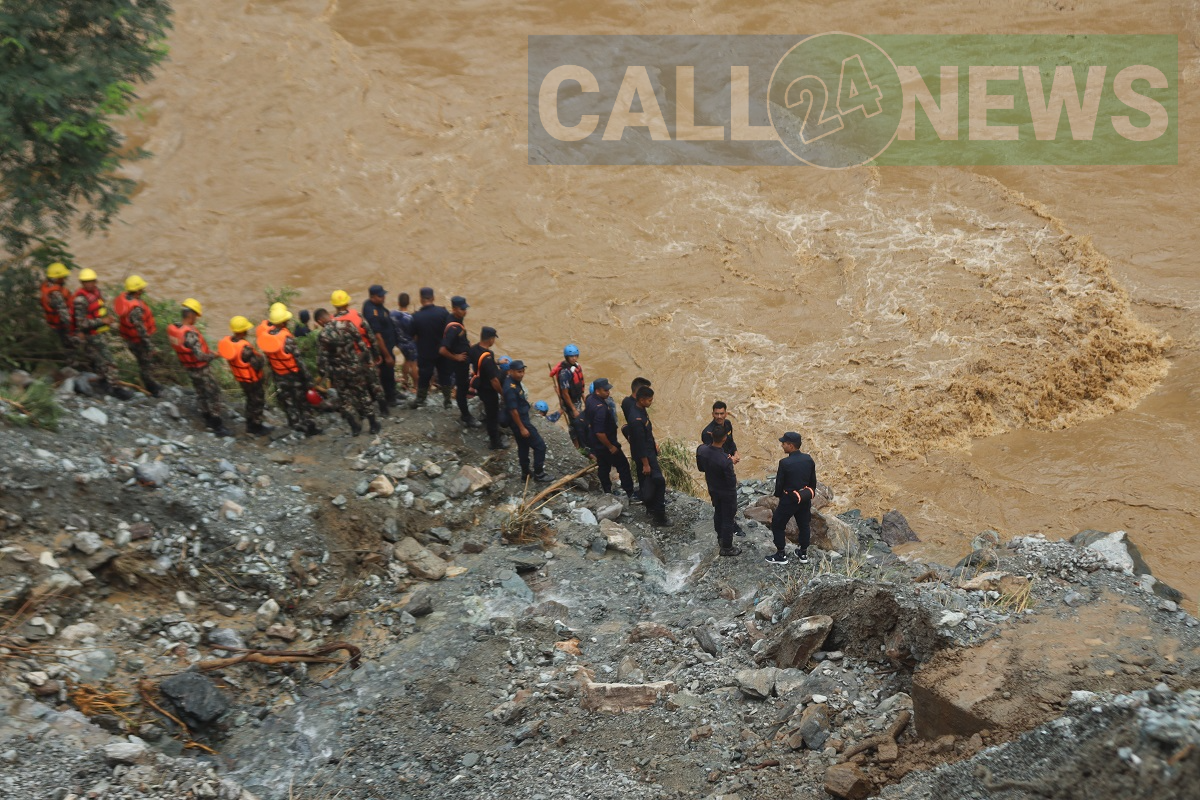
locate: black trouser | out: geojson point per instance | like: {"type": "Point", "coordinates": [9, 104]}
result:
{"type": "Point", "coordinates": [535, 442]}
{"type": "Point", "coordinates": [491, 412]}
{"type": "Point", "coordinates": [462, 385]}
{"type": "Point", "coordinates": [387, 379]}
{"type": "Point", "coordinates": [724, 507]}
{"type": "Point", "coordinates": [652, 487]}
{"type": "Point", "coordinates": [425, 368]}
{"type": "Point", "coordinates": [790, 508]}
{"type": "Point", "coordinates": [605, 461]}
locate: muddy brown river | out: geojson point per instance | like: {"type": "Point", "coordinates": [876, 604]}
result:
{"type": "Point", "coordinates": [1009, 348]}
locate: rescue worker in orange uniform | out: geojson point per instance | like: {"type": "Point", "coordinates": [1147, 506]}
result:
{"type": "Point", "coordinates": [91, 323]}
{"type": "Point", "coordinates": [56, 304]}
{"type": "Point", "coordinates": [194, 355]}
{"type": "Point", "coordinates": [291, 378]}
{"type": "Point", "coordinates": [136, 327]}
{"type": "Point", "coordinates": [247, 364]}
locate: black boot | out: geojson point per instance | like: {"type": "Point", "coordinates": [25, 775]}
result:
{"type": "Point", "coordinates": [154, 388]}
{"type": "Point", "coordinates": [258, 429]}
{"type": "Point", "coordinates": [384, 406]}
{"type": "Point", "coordinates": [469, 421]}
{"type": "Point", "coordinates": [217, 425]}
{"type": "Point", "coordinates": [311, 429]}
{"type": "Point", "coordinates": [498, 444]}
{"type": "Point", "coordinates": [419, 400]}
{"type": "Point", "coordinates": [661, 520]}
{"type": "Point", "coordinates": [375, 426]}
{"type": "Point", "coordinates": [731, 551]}
{"type": "Point", "coordinates": [120, 392]}
{"type": "Point", "coordinates": [355, 425]}
{"type": "Point", "coordinates": [446, 402]}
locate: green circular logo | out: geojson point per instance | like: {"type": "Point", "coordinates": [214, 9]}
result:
{"type": "Point", "coordinates": [835, 100]}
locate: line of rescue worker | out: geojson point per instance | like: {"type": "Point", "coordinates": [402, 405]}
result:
{"type": "Point", "coordinates": [356, 354]}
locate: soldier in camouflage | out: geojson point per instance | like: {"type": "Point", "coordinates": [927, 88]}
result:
{"type": "Point", "coordinates": [136, 326]}
{"type": "Point", "coordinates": [291, 377]}
{"type": "Point", "coordinates": [92, 322]}
{"type": "Point", "coordinates": [194, 355]}
{"type": "Point", "coordinates": [339, 359]}
{"type": "Point", "coordinates": [368, 348]}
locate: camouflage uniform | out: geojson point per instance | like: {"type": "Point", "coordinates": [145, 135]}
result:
{"type": "Point", "coordinates": [60, 306]}
{"type": "Point", "coordinates": [93, 347]}
{"type": "Point", "coordinates": [141, 349]}
{"type": "Point", "coordinates": [369, 354]}
{"type": "Point", "coordinates": [340, 359]}
{"type": "Point", "coordinates": [291, 391]}
{"type": "Point", "coordinates": [208, 393]}
{"type": "Point", "coordinates": [255, 393]}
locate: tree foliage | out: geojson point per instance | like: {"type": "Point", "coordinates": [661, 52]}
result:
{"type": "Point", "coordinates": [67, 69]}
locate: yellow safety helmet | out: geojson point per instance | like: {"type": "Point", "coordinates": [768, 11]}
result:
{"type": "Point", "coordinates": [339, 298]}
{"type": "Point", "coordinates": [134, 283]}
{"type": "Point", "coordinates": [56, 271]}
{"type": "Point", "coordinates": [193, 304]}
{"type": "Point", "coordinates": [86, 275]}
{"type": "Point", "coordinates": [240, 324]}
{"type": "Point", "coordinates": [279, 314]}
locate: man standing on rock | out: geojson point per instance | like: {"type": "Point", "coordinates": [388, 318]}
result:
{"type": "Point", "coordinates": [56, 304]}
{"type": "Point", "coordinates": [795, 486]}
{"type": "Point", "coordinates": [91, 321]}
{"type": "Point", "coordinates": [136, 326]}
{"type": "Point", "coordinates": [379, 320]}
{"type": "Point", "coordinates": [720, 419]}
{"type": "Point", "coordinates": [602, 438]}
{"type": "Point", "coordinates": [246, 364]}
{"type": "Point", "coordinates": [194, 355]}
{"type": "Point", "coordinates": [528, 438]}
{"type": "Point", "coordinates": [487, 384]}
{"type": "Point", "coordinates": [369, 349]}
{"type": "Point", "coordinates": [644, 449]}
{"type": "Point", "coordinates": [291, 377]}
{"type": "Point", "coordinates": [719, 475]}
{"type": "Point", "coordinates": [339, 358]}
{"type": "Point", "coordinates": [455, 361]}
{"type": "Point", "coordinates": [428, 328]}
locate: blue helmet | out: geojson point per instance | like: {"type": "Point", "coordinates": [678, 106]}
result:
{"type": "Point", "coordinates": [505, 360]}
{"type": "Point", "coordinates": [571, 350]}
{"type": "Point", "coordinates": [542, 406]}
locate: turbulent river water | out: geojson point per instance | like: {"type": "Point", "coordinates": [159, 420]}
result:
{"type": "Point", "coordinates": [1008, 348]}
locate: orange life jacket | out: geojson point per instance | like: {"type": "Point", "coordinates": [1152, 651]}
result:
{"type": "Point", "coordinates": [176, 334]}
{"type": "Point", "coordinates": [95, 310]}
{"type": "Point", "coordinates": [123, 304]}
{"type": "Point", "coordinates": [356, 318]}
{"type": "Point", "coordinates": [52, 317]}
{"type": "Point", "coordinates": [271, 341]}
{"type": "Point", "coordinates": [232, 351]}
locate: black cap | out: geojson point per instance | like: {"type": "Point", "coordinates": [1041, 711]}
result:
{"type": "Point", "coordinates": [426, 293]}
{"type": "Point", "coordinates": [376, 289]}
{"type": "Point", "coordinates": [516, 366]}
{"type": "Point", "coordinates": [458, 301]}
{"type": "Point", "coordinates": [601, 383]}
{"type": "Point", "coordinates": [791, 436]}
{"type": "Point", "coordinates": [487, 333]}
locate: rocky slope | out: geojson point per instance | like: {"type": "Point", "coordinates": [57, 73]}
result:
{"type": "Point", "coordinates": [569, 649]}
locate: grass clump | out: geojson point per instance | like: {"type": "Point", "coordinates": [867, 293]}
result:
{"type": "Point", "coordinates": [678, 464]}
{"type": "Point", "coordinates": [35, 405]}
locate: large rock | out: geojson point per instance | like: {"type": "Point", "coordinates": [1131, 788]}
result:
{"type": "Point", "coordinates": [1119, 551]}
{"type": "Point", "coordinates": [756, 683]}
{"type": "Point", "coordinates": [618, 537]}
{"type": "Point", "coordinates": [814, 726]}
{"type": "Point", "coordinates": [195, 697]}
{"type": "Point", "coordinates": [93, 414]}
{"type": "Point", "coordinates": [895, 529]}
{"type": "Point", "coordinates": [125, 752]}
{"type": "Point", "coordinates": [848, 782]}
{"type": "Point", "coordinates": [381, 486]}
{"type": "Point", "coordinates": [831, 533]}
{"type": "Point", "coordinates": [617, 698]}
{"type": "Point", "coordinates": [792, 646]}
{"type": "Point", "coordinates": [420, 561]}
{"type": "Point", "coordinates": [87, 542]}
{"type": "Point", "coordinates": [478, 478]}
{"type": "Point", "coordinates": [153, 473]}
{"type": "Point", "coordinates": [609, 507]}
{"type": "Point", "coordinates": [266, 614]}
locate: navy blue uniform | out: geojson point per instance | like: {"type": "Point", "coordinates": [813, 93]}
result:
{"type": "Point", "coordinates": [642, 444]}
{"type": "Point", "coordinates": [721, 480]}
{"type": "Point", "coordinates": [454, 339]}
{"type": "Point", "coordinates": [601, 419]}
{"type": "Point", "coordinates": [483, 361]}
{"type": "Point", "coordinates": [729, 446]}
{"type": "Point", "coordinates": [515, 399]}
{"type": "Point", "coordinates": [428, 329]}
{"type": "Point", "coordinates": [379, 320]}
{"type": "Point", "coordinates": [795, 486]}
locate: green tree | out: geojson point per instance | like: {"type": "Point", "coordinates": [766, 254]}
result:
{"type": "Point", "coordinates": [67, 68]}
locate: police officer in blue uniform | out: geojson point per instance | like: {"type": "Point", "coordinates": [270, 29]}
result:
{"type": "Point", "coordinates": [455, 364]}
{"type": "Point", "coordinates": [528, 438]}
{"type": "Point", "coordinates": [795, 486]}
{"type": "Point", "coordinates": [428, 330]}
{"type": "Point", "coordinates": [602, 437]}
{"type": "Point", "coordinates": [643, 447]}
{"type": "Point", "coordinates": [719, 475]}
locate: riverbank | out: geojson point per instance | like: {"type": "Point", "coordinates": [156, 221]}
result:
{"type": "Point", "coordinates": [571, 650]}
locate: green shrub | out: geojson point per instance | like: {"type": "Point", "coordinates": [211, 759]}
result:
{"type": "Point", "coordinates": [34, 405]}
{"type": "Point", "coordinates": [678, 464]}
